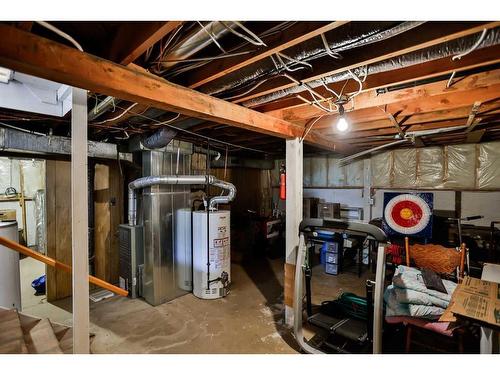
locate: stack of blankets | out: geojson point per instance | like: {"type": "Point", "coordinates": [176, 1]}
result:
{"type": "Point", "coordinates": [408, 295]}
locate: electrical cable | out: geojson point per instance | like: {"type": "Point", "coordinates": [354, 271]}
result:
{"type": "Point", "coordinates": [479, 41]}
{"type": "Point", "coordinates": [116, 117]}
{"type": "Point", "coordinates": [211, 58]}
{"type": "Point", "coordinates": [214, 39]}
{"type": "Point", "coordinates": [23, 130]}
{"type": "Point", "coordinates": [60, 33]}
{"type": "Point", "coordinates": [308, 128]}
{"type": "Point", "coordinates": [256, 42]}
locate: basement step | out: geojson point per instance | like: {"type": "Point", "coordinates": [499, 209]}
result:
{"type": "Point", "coordinates": [11, 333]}
{"type": "Point", "coordinates": [41, 339]}
{"type": "Point", "coordinates": [26, 334]}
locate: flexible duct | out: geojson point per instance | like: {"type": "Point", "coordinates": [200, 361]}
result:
{"type": "Point", "coordinates": [356, 35]}
{"type": "Point", "coordinates": [418, 57]}
{"type": "Point", "coordinates": [164, 136]}
{"type": "Point", "coordinates": [159, 139]}
{"type": "Point", "coordinates": [177, 180]}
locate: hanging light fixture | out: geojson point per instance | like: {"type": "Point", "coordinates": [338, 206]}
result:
{"type": "Point", "coordinates": [342, 124]}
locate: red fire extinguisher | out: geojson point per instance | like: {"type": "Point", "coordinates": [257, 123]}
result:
{"type": "Point", "coordinates": [282, 182]}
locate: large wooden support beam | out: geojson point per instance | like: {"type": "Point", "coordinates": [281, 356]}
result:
{"type": "Point", "coordinates": [31, 54]}
{"type": "Point", "coordinates": [44, 58]}
{"type": "Point", "coordinates": [79, 222]}
{"type": "Point", "coordinates": [275, 43]}
{"type": "Point", "coordinates": [134, 38]}
{"type": "Point", "coordinates": [294, 191]}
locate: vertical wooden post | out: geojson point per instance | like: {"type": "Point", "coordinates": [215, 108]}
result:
{"type": "Point", "coordinates": [294, 186]}
{"type": "Point", "coordinates": [79, 222]}
{"type": "Point", "coordinates": [407, 251]}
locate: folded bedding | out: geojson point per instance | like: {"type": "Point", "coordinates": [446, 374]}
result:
{"type": "Point", "coordinates": [396, 308]}
{"type": "Point", "coordinates": [408, 295]}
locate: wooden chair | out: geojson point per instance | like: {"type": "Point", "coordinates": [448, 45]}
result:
{"type": "Point", "coordinates": [445, 262]}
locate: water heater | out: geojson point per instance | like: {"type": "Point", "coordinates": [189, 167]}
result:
{"type": "Point", "coordinates": [212, 276]}
{"type": "Point", "coordinates": [10, 283]}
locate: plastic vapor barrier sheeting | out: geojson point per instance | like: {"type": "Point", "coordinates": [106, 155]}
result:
{"type": "Point", "coordinates": [454, 167]}
{"type": "Point", "coordinates": [354, 173]}
{"type": "Point", "coordinates": [381, 165]}
{"type": "Point", "coordinates": [405, 168]}
{"type": "Point", "coordinates": [336, 173]}
{"type": "Point", "coordinates": [488, 175]}
{"type": "Point", "coordinates": [307, 172]}
{"type": "Point", "coordinates": [430, 169]}
{"type": "Point", "coordinates": [34, 176]}
{"type": "Point", "coordinates": [460, 166]}
{"type": "Point", "coordinates": [5, 174]}
{"type": "Point", "coordinates": [319, 171]}
{"type": "Point", "coordinates": [40, 239]}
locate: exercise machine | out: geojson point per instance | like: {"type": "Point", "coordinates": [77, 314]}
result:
{"type": "Point", "coordinates": [350, 328]}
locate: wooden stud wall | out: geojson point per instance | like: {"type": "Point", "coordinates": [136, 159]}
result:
{"type": "Point", "coordinates": [108, 214]}
{"type": "Point", "coordinates": [58, 206]}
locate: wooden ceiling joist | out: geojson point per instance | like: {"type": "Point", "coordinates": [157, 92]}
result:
{"type": "Point", "coordinates": [134, 38]}
{"type": "Point", "coordinates": [32, 54]}
{"type": "Point", "coordinates": [425, 98]}
{"type": "Point", "coordinates": [471, 120]}
{"type": "Point", "coordinates": [427, 70]}
{"type": "Point", "coordinates": [425, 36]}
{"type": "Point", "coordinates": [275, 43]}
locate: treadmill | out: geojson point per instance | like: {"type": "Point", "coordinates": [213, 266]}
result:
{"type": "Point", "coordinates": [344, 334]}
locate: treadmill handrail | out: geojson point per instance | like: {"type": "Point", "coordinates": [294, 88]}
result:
{"type": "Point", "coordinates": [343, 226]}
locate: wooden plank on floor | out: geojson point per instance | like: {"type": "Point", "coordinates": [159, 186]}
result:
{"type": "Point", "coordinates": [41, 339]}
{"type": "Point", "coordinates": [11, 333]}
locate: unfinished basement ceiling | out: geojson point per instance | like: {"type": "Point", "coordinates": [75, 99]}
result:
{"type": "Point", "coordinates": [397, 77]}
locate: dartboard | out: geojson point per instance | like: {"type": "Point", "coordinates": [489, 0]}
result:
{"type": "Point", "coordinates": [408, 214]}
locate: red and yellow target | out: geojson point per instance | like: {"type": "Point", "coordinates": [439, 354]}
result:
{"type": "Point", "coordinates": [408, 214]}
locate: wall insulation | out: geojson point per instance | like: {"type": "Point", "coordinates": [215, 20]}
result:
{"type": "Point", "coordinates": [456, 167]}
{"type": "Point", "coordinates": [453, 167]}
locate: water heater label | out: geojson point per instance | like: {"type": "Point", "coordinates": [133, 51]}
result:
{"type": "Point", "coordinates": [220, 242]}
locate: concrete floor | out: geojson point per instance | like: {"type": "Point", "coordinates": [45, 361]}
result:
{"type": "Point", "coordinates": [38, 305]}
{"type": "Point", "coordinates": [249, 320]}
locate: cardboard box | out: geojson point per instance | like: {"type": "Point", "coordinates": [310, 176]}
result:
{"type": "Point", "coordinates": [477, 299]}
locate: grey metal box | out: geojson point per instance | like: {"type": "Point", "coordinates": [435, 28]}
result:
{"type": "Point", "coordinates": [131, 258]}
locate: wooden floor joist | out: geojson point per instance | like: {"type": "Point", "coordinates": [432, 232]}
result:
{"type": "Point", "coordinates": [275, 43]}
{"type": "Point", "coordinates": [424, 36]}
{"type": "Point", "coordinates": [31, 54]}
{"type": "Point", "coordinates": [480, 86]}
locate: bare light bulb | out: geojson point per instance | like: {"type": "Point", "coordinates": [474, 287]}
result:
{"type": "Point", "coordinates": [342, 124]}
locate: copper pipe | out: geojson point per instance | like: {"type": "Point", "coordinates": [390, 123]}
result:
{"type": "Point", "coordinates": [58, 265]}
